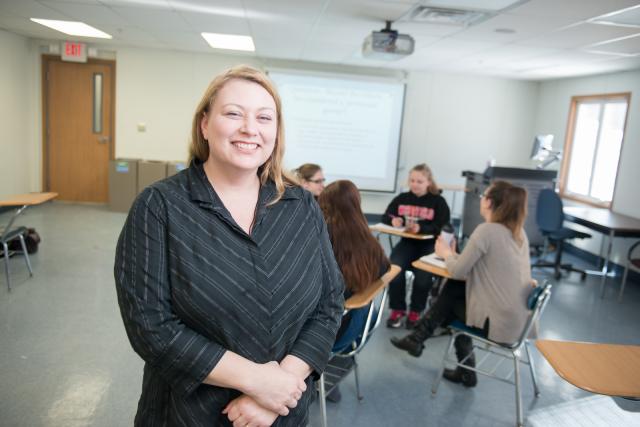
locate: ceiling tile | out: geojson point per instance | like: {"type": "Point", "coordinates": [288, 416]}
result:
{"type": "Point", "coordinates": [31, 9]}
{"type": "Point", "coordinates": [216, 24]}
{"type": "Point", "coordinates": [153, 18]}
{"type": "Point", "coordinates": [628, 45]}
{"type": "Point", "coordinates": [579, 36]}
{"type": "Point", "coordinates": [578, 10]}
{"type": "Point", "coordinates": [91, 14]}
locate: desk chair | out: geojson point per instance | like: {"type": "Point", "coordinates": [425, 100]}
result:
{"type": "Point", "coordinates": [550, 219]}
{"type": "Point", "coordinates": [365, 318]}
{"type": "Point", "coordinates": [537, 301]}
{"type": "Point", "coordinates": [6, 235]}
{"type": "Point", "coordinates": [633, 262]}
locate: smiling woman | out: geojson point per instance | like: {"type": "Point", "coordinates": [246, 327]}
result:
{"type": "Point", "coordinates": [226, 278]}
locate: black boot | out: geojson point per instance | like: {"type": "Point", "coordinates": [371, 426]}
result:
{"type": "Point", "coordinates": [464, 351]}
{"type": "Point", "coordinates": [413, 343]}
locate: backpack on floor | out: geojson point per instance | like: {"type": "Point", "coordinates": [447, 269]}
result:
{"type": "Point", "coordinates": [31, 240]}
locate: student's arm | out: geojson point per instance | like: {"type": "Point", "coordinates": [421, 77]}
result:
{"type": "Point", "coordinates": [459, 265]}
{"type": "Point", "coordinates": [391, 212]}
{"type": "Point", "coordinates": [440, 218]}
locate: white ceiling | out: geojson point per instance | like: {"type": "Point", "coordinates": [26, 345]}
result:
{"type": "Point", "coordinates": [551, 38]}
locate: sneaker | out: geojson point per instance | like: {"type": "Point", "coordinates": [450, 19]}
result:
{"type": "Point", "coordinates": [395, 319]}
{"type": "Point", "coordinates": [412, 319]}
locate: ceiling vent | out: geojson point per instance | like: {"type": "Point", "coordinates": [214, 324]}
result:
{"type": "Point", "coordinates": [445, 16]}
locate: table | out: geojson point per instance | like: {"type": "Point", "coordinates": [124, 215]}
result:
{"type": "Point", "coordinates": [609, 369]}
{"type": "Point", "coordinates": [433, 269]}
{"type": "Point", "coordinates": [23, 201]}
{"type": "Point", "coordinates": [20, 202]}
{"type": "Point", "coordinates": [610, 224]}
{"type": "Point", "coordinates": [392, 231]}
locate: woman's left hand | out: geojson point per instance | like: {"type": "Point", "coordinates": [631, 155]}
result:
{"type": "Point", "coordinates": [443, 250]}
{"type": "Point", "coordinates": [244, 411]}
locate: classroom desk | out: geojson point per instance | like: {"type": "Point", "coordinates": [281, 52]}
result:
{"type": "Point", "coordinates": [433, 269]}
{"type": "Point", "coordinates": [609, 369]}
{"type": "Point", "coordinates": [20, 202]}
{"type": "Point", "coordinates": [391, 231]}
{"type": "Point", "coordinates": [610, 224]}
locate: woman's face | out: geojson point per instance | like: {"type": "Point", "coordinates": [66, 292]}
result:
{"type": "Point", "coordinates": [418, 183]}
{"type": "Point", "coordinates": [241, 127]}
{"type": "Point", "coordinates": [316, 184]}
{"type": "Point", "coordinates": [485, 206]}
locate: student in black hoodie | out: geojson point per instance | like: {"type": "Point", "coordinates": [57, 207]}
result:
{"type": "Point", "coordinates": [421, 210]}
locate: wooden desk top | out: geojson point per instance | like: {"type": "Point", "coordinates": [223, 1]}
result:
{"type": "Point", "coordinates": [608, 369]}
{"type": "Point", "coordinates": [28, 199]}
{"type": "Point", "coordinates": [400, 233]}
{"type": "Point", "coordinates": [438, 271]}
{"type": "Point", "coordinates": [603, 220]}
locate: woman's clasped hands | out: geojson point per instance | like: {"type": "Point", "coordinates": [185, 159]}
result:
{"type": "Point", "coordinates": [273, 393]}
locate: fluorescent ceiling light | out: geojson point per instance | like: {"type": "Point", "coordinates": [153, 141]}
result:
{"type": "Point", "coordinates": [73, 28]}
{"type": "Point", "coordinates": [229, 41]}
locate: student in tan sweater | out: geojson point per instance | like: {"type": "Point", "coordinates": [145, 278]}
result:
{"type": "Point", "coordinates": [496, 271]}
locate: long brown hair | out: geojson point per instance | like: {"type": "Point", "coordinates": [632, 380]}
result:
{"type": "Point", "coordinates": [199, 148]}
{"type": "Point", "coordinates": [357, 252]}
{"type": "Point", "coordinates": [508, 206]}
{"type": "Point", "coordinates": [426, 170]}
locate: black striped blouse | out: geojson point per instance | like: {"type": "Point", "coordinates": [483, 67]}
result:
{"type": "Point", "coordinates": [192, 284]}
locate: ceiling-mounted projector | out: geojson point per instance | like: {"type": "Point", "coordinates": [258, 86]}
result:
{"type": "Point", "coordinates": [387, 44]}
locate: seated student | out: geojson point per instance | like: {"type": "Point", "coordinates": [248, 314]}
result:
{"type": "Point", "coordinates": [311, 178]}
{"type": "Point", "coordinates": [360, 257]}
{"type": "Point", "coordinates": [421, 210]}
{"type": "Point", "coordinates": [495, 263]}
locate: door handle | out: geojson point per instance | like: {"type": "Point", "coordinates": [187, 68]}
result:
{"type": "Point", "coordinates": [103, 139]}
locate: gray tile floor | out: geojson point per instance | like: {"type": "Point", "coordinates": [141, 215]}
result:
{"type": "Point", "coordinates": [65, 359]}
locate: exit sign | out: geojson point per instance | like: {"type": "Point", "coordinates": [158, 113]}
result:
{"type": "Point", "coordinates": [74, 52]}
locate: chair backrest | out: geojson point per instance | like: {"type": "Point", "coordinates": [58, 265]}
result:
{"type": "Point", "coordinates": [365, 316]}
{"type": "Point", "coordinates": [549, 214]}
{"type": "Point", "coordinates": [536, 303]}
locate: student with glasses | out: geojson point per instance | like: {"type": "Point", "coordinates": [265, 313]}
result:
{"type": "Point", "coordinates": [311, 178]}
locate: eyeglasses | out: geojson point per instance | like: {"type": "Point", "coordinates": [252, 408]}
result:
{"type": "Point", "coordinates": [318, 181]}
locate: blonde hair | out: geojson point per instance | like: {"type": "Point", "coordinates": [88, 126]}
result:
{"type": "Point", "coordinates": [199, 147]}
{"type": "Point", "coordinates": [426, 170]}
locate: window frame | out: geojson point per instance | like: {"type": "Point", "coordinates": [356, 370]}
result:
{"type": "Point", "coordinates": [566, 157]}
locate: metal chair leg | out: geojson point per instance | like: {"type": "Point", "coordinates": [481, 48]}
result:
{"type": "Point", "coordinates": [516, 372]}
{"type": "Point", "coordinates": [436, 383]}
{"type": "Point", "coordinates": [534, 379]}
{"type": "Point", "coordinates": [357, 377]}
{"type": "Point", "coordinates": [624, 282]}
{"type": "Point", "coordinates": [26, 254]}
{"type": "Point", "coordinates": [5, 248]}
{"type": "Point", "coordinates": [323, 401]}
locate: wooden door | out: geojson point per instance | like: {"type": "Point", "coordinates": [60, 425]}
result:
{"type": "Point", "coordinates": [78, 128]}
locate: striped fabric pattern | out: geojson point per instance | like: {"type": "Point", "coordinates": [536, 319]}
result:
{"type": "Point", "coordinates": [192, 284]}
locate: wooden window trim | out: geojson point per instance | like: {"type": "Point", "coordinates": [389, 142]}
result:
{"type": "Point", "coordinates": [566, 158]}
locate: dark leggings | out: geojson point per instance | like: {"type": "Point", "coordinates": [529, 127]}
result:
{"type": "Point", "coordinates": [403, 254]}
{"type": "Point", "coordinates": [449, 306]}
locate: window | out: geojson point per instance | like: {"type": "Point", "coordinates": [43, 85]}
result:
{"type": "Point", "coordinates": [593, 146]}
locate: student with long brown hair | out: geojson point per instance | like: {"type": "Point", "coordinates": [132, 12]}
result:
{"type": "Point", "coordinates": [359, 255]}
{"type": "Point", "coordinates": [495, 263]}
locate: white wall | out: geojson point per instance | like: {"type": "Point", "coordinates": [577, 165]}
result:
{"type": "Point", "coordinates": [552, 117]}
{"type": "Point", "coordinates": [456, 122]}
{"type": "Point", "coordinates": [15, 132]}
{"type": "Point", "coordinates": [452, 122]}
